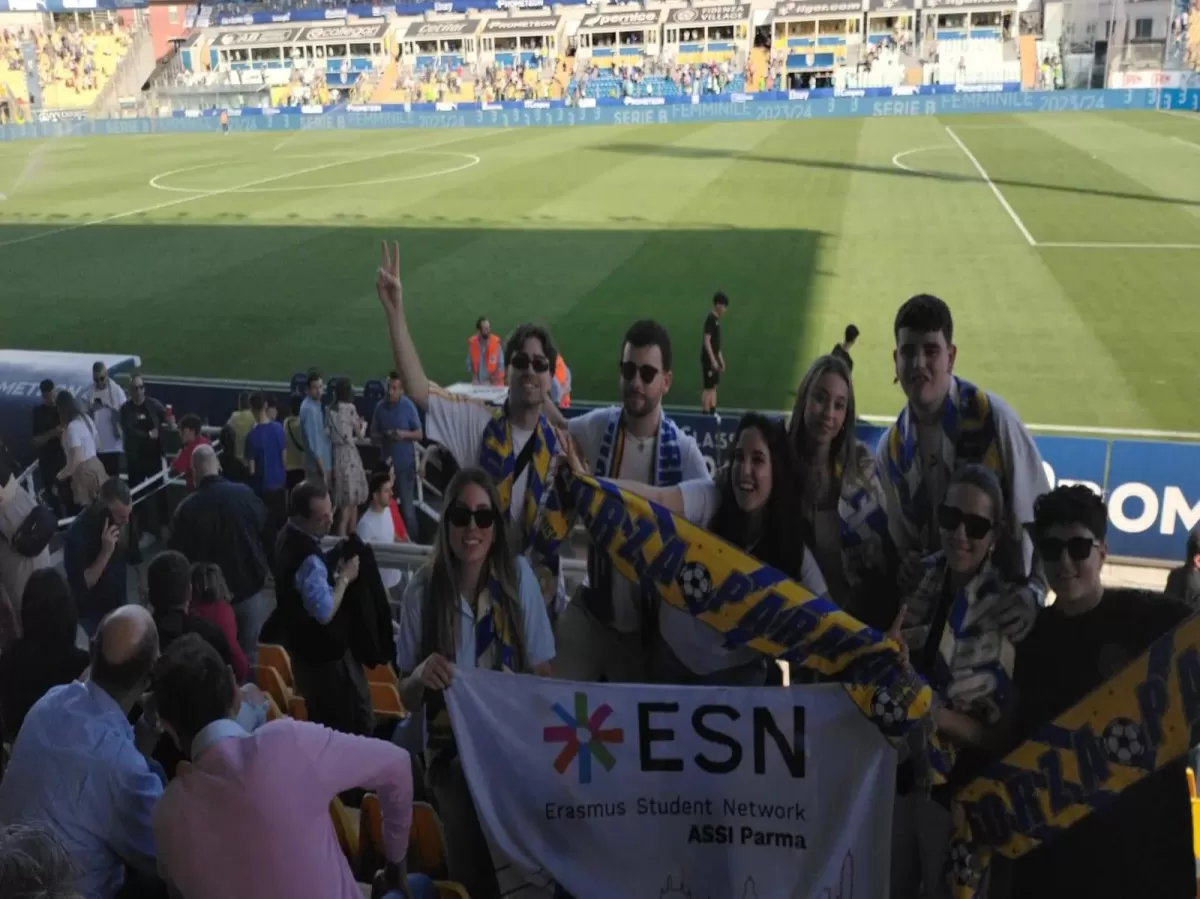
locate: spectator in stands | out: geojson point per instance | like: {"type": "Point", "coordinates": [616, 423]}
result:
{"type": "Point", "coordinates": [842, 350]}
{"type": "Point", "coordinates": [212, 602]}
{"type": "Point", "coordinates": [94, 555]}
{"type": "Point", "coordinates": [327, 675]}
{"type": "Point", "coordinates": [241, 423]}
{"type": "Point", "coordinates": [946, 423]}
{"type": "Point", "coordinates": [349, 479]}
{"type": "Point", "coordinates": [602, 632]}
{"type": "Point", "coordinates": [318, 452]}
{"type": "Point", "coordinates": [192, 437]}
{"type": "Point", "coordinates": [375, 525]}
{"type": "Point", "coordinates": [841, 497]}
{"type": "Point", "coordinates": [957, 599]}
{"type": "Point", "coordinates": [48, 430]}
{"type": "Point", "coordinates": [26, 529]}
{"type": "Point", "coordinates": [169, 591]}
{"type": "Point", "coordinates": [265, 445]}
{"type": "Point", "coordinates": [751, 505]}
{"type": "Point", "coordinates": [1183, 583]}
{"type": "Point", "coordinates": [83, 470]}
{"type": "Point", "coordinates": [475, 583]}
{"type": "Point", "coordinates": [1088, 635]}
{"type": "Point", "coordinates": [485, 359]}
{"type": "Point", "coordinates": [560, 386]}
{"type": "Point", "coordinates": [79, 768]}
{"type": "Point", "coordinates": [712, 360]}
{"type": "Point", "coordinates": [260, 802]}
{"type": "Point", "coordinates": [45, 655]}
{"type": "Point", "coordinates": [142, 418]}
{"type": "Point", "coordinates": [294, 452]}
{"type": "Point", "coordinates": [34, 865]}
{"type": "Point", "coordinates": [396, 426]}
{"type": "Point", "coordinates": [461, 424]}
{"type": "Point", "coordinates": [104, 399]}
{"type": "Point", "coordinates": [223, 523]}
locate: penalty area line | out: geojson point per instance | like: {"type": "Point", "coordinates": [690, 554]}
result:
{"type": "Point", "coordinates": [1012, 213]}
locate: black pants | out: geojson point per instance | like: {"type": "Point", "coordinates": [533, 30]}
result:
{"type": "Point", "coordinates": [111, 463]}
{"type": "Point", "coordinates": [150, 515]}
{"type": "Point", "coordinates": [336, 693]}
{"type": "Point", "coordinates": [141, 885]}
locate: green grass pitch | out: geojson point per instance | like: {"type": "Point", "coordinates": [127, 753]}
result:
{"type": "Point", "coordinates": [253, 256]}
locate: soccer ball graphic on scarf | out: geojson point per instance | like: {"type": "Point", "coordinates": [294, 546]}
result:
{"type": "Point", "coordinates": [1124, 741]}
{"type": "Point", "coordinates": [696, 583]}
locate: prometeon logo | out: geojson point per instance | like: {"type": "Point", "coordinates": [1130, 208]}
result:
{"type": "Point", "coordinates": [584, 737]}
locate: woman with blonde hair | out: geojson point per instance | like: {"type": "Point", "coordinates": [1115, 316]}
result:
{"type": "Point", "coordinates": [476, 603]}
{"type": "Point", "coordinates": [84, 469]}
{"type": "Point", "coordinates": [840, 496]}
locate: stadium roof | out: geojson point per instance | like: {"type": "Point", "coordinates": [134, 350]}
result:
{"type": "Point", "coordinates": [523, 25]}
{"type": "Point", "coordinates": [435, 30]}
{"type": "Point", "coordinates": [707, 15]}
{"type": "Point", "coordinates": [635, 18]}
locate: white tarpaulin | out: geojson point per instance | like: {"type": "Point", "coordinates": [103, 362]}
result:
{"type": "Point", "coordinates": [622, 791]}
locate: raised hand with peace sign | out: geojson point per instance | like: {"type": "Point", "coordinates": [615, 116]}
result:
{"type": "Point", "coordinates": [387, 280]}
{"type": "Point", "coordinates": [404, 351]}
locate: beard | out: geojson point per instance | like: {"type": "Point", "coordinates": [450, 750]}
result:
{"type": "Point", "coordinates": [639, 406]}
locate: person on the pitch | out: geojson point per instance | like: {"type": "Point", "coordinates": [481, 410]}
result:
{"type": "Point", "coordinates": [712, 362]}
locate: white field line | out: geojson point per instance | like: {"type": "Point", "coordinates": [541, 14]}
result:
{"type": "Point", "coordinates": [995, 190]}
{"type": "Point", "coordinates": [1187, 143]}
{"type": "Point", "coordinates": [286, 140]}
{"type": "Point", "coordinates": [1060, 245]}
{"type": "Point", "coordinates": [1194, 116]}
{"type": "Point", "coordinates": [229, 190]}
{"type": "Point", "coordinates": [900, 165]}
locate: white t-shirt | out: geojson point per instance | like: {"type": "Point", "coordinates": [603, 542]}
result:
{"type": "Point", "coordinates": [378, 527]}
{"type": "Point", "coordinates": [696, 644]}
{"type": "Point", "coordinates": [637, 464]}
{"type": "Point", "coordinates": [458, 423]}
{"type": "Point", "coordinates": [106, 415]}
{"type": "Point", "coordinates": [80, 433]}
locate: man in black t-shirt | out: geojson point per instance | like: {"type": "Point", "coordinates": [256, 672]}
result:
{"type": "Point", "coordinates": [1140, 844]}
{"type": "Point", "coordinates": [712, 362]}
{"type": "Point", "coordinates": [47, 438]}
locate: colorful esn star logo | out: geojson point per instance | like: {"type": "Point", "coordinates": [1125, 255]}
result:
{"type": "Point", "coordinates": [584, 736]}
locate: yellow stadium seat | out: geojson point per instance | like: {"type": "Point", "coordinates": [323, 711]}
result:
{"type": "Point", "coordinates": [298, 708]}
{"type": "Point", "coordinates": [385, 700]}
{"type": "Point", "coordinates": [449, 890]}
{"type": "Point", "coordinates": [371, 856]}
{"type": "Point", "coordinates": [346, 824]}
{"type": "Point", "coordinates": [271, 683]}
{"type": "Point", "coordinates": [273, 712]}
{"type": "Point", "coordinates": [427, 843]}
{"type": "Point", "coordinates": [275, 656]}
{"type": "Point", "coordinates": [382, 674]}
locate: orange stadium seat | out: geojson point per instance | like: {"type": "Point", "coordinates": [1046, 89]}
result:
{"type": "Point", "coordinates": [448, 890]}
{"type": "Point", "coordinates": [427, 842]}
{"type": "Point", "coordinates": [385, 700]}
{"type": "Point", "coordinates": [271, 683]}
{"type": "Point", "coordinates": [346, 824]}
{"type": "Point", "coordinates": [275, 656]}
{"type": "Point", "coordinates": [298, 708]}
{"type": "Point", "coordinates": [381, 674]}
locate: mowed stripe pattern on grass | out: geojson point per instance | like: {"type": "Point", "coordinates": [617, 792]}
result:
{"type": "Point", "coordinates": [806, 225]}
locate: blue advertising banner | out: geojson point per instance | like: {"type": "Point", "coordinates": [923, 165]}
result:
{"type": "Point", "coordinates": [540, 114]}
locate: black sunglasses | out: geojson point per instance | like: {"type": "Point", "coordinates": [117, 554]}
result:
{"type": "Point", "coordinates": [522, 361]}
{"type": "Point", "coordinates": [647, 372]}
{"type": "Point", "coordinates": [460, 516]}
{"type": "Point", "coordinates": [1078, 548]}
{"type": "Point", "coordinates": [976, 526]}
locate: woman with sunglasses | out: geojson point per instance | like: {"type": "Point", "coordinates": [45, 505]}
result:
{"type": "Point", "coordinates": [953, 639]}
{"type": "Point", "coordinates": [840, 495]}
{"type": "Point", "coordinates": [751, 505]}
{"type": "Point", "coordinates": [478, 604]}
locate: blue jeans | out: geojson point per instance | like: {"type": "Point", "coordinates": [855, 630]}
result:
{"type": "Point", "coordinates": [251, 614]}
{"type": "Point", "coordinates": [406, 496]}
{"type": "Point", "coordinates": [419, 885]}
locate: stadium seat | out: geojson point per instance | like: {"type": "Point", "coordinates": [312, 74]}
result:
{"type": "Point", "coordinates": [382, 674]}
{"type": "Point", "coordinates": [385, 700]}
{"type": "Point", "coordinates": [298, 708]}
{"type": "Point", "coordinates": [273, 711]}
{"type": "Point", "coordinates": [346, 824]}
{"type": "Point", "coordinates": [183, 768]}
{"type": "Point", "coordinates": [449, 890]}
{"type": "Point", "coordinates": [269, 681]}
{"type": "Point", "coordinates": [371, 856]}
{"type": "Point", "coordinates": [427, 843]}
{"type": "Point", "coordinates": [274, 656]}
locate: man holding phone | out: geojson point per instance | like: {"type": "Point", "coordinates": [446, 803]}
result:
{"type": "Point", "coordinates": [103, 401]}
{"type": "Point", "coordinates": [396, 426]}
{"type": "Point", "coordinates": [94, 555]}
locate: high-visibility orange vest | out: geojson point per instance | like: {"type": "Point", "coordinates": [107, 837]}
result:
{"type": "Point", "coordinates": [562, 377]}
{"type": "Point", "coordinates": [492, 369]}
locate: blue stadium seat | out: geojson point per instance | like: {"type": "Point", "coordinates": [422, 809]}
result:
{"type": "Point", "coordinates": [373, 391]}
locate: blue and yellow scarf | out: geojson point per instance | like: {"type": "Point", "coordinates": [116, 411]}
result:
{"type": "Point", "coordinates": [969, 436]}
{"type": "Point", "coordinates": [668, 472]}
{"type": "Point", "coordinates": [498, 457]}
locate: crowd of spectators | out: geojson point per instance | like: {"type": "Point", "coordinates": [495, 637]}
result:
{"type": "Point", "coordinates": [73, 59]}
{"type": "Point", "coordinates": [159, 760]}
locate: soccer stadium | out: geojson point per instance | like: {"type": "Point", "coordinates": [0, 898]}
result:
{"type": "Point", "coordinates": [401, 403]}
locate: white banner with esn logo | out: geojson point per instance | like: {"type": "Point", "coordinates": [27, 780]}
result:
{"type": "Point", "coordinates": [624, 791]}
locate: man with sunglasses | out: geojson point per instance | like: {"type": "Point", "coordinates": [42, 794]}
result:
{"type": "Point", "coordinates": [460, 423]}
{"type": "Point", "coordinates": [605, 630]}
{"type": "Point", "coordinates": [103, 401]}
{"type": "Point", "coordinates": [1140, 844]}
{"type": "Point", "coordinates": [946, 423]}
{"type": "Point", "coordinates": [142, 418]}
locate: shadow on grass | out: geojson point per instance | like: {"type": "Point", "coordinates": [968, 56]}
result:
{"type": "Point", "coordinates": [231, 300]}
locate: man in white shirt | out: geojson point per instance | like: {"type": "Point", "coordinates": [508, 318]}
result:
{"type": "Point", "coordinates": [375, 525]}
{"type": "Point", "coordinates": [609, 627]}
{"type": "Point", "coordinates": [459, 423]}
{"type": "Point", "coordinates": [103, 402]}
